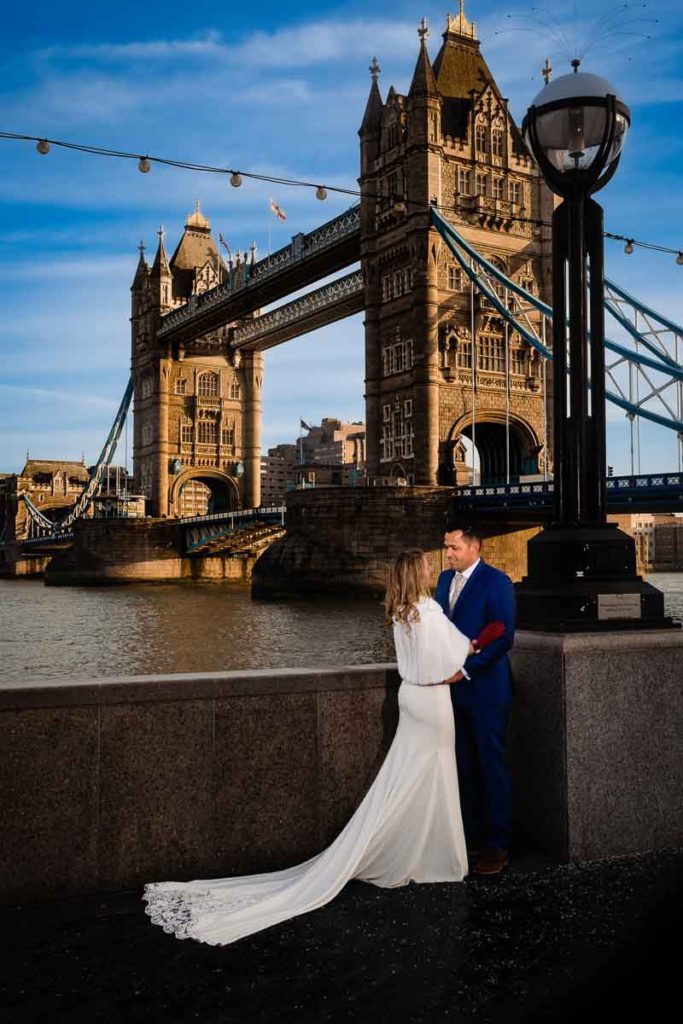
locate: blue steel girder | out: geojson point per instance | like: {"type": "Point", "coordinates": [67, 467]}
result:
{"type": "Point", "coordinates": [655, 491]}
{"type": "Point", "coordinates": [659, 370]}
{"type": "Point", "coordinates": [204, 532]}
{"type": "Point", "coordinates": [46, 526]}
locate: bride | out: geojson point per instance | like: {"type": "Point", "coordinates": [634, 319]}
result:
{"type": "Point", "coordinates": [408, 826]}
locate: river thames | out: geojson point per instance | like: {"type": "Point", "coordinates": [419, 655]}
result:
{"type": "Point", "coordinates": [86, 632]}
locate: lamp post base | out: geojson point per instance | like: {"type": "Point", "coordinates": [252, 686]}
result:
{"type": "Point", "coordinates": [583, 579]}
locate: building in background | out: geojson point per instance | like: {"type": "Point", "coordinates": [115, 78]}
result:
{"type": "Point", "coordinates": [659, 540]}
{"type": "Point", "coordinates": [668, 544]}
{"type": "Point", "coordinates": [331, 454]}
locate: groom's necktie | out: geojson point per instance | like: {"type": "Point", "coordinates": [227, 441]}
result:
{"type": "Point", "coordinates": [457, 583]}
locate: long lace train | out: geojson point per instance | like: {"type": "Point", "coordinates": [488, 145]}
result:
{"type": "Point", "coordinates": [408, 827]}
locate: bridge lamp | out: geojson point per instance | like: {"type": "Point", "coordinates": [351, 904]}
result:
{"type": "Point", "coordinates": [581, 569]}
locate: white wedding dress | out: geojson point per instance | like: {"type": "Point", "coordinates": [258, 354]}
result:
{"type": "Point", "coordinates": [407, 828]}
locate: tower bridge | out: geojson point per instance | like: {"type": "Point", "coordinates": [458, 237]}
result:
{"type": "Point", "coordinates": [453, 275]}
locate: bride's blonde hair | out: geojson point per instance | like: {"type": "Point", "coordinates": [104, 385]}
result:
{"type": "Point", "coordinates": [405, 586]}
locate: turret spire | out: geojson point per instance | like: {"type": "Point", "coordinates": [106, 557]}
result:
{"type": "Point", "coordinates": [373, 110]}
{"type": "Point", "coordinates": [160, 265]}
{"type": "Point", "coordinates": [423, 83]}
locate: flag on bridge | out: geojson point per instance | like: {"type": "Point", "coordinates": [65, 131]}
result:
{"type": "Point", "coordinates": [277, 210]}
{"type": "Point", "coordinates": [304, 424]}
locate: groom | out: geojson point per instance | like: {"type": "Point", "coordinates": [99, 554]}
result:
{"type": "Point", "coordinates": [473, 594]}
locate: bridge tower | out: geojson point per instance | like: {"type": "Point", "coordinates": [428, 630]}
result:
{"type": "Point", "coordinates": [197, 405]}
{"type": "Point", "coordinates": [440, 366]}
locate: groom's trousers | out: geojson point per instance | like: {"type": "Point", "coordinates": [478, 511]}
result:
{"type": "Point", "coordinates": [483, 773]}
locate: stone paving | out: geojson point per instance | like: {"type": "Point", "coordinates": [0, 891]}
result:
{"type": "Point", "coordinates": [540, 943]}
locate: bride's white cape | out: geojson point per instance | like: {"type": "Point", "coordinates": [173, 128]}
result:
{"type": "Point", "coordinates": [407, 828]}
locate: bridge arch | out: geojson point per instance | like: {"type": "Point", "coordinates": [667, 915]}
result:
{"type": "Point", "coordinates": [490, 437]}
{"type": "Point", "coordinates": [222, 490]}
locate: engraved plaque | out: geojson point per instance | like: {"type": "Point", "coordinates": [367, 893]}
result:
{"type": "Point", "coordinates": [619, 606]}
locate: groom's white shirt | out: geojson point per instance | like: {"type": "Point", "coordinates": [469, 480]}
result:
{"type": "Point", "coordinates": [465, 575]}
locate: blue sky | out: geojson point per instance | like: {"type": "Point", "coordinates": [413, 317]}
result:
{"type": "Point", "coordinates": [273, 89]}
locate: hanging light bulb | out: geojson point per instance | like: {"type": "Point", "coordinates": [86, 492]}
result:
{"type": "Point", "coordinates": [144, 166]}
{"type": "Point", "coordinates": [400, 206]}
{"type": "Point", "coordinates": [235, 179]}
{"type": "Point", "coordinates": [43, 147]}
{"type": "Point", "coordinates": [321, 192]}
{"type": "Point", "coordinates": [679, 259]}
{"type": "Point", "coordinates": [629, 247]}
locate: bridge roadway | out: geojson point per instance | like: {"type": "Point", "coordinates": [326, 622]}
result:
{"type": "Point", "coordinates": [308, 258]}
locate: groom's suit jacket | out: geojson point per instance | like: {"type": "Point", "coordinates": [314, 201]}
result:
{"type": "Point", "coordinates": [488, 596]}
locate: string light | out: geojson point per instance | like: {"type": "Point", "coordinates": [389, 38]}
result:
{"type": "Point", "coordinates": [43, 146]}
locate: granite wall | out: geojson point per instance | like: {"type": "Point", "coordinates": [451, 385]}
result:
{"type": "Point", "coordinates": [342, 540]}
{"type": "Point", "coordinates": [138, 551]}
{"type": "Point", "coordinates": [596, 742]}
{"type": "Point", "coordinates": [112, 783]}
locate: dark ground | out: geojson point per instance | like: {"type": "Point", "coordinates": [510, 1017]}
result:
{"type": "Point", "coordinates": [540, 943]}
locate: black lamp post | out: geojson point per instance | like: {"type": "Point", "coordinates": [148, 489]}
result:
{"type": "Point", "coordinates": [581, 569]}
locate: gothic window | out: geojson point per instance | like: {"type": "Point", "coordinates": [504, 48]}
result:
{"type": "Point", "coordinates": [455, 279]}
{"type": "Point", "coordinates": [464, 181]}
{"type": "Point", "coordinates": [433, 127]}
{"type": "Point", "coordinates": [463, 354]}
{"type": "Point", "coordinates": [181, 386]}
{"type": "Point", "coordinates": [207, 385]}
{"type": "Point", "coordinates": [186, 432]}
{"type": "Point", "coordinates": [397, 358]}
{"type": "Point", "coordinates": [397, 278]}
{"type": "Point", "coordinates": [497, 142]}
{"type": "Point", "coordinates": [498, 189]}
{"type": "Point", "coordinates": [482, 184]}
{"type": "Point", "coordinates": [235, 390]}
{"type": "Point", "coordinates": [208, 432]}
{"type": "Point", "coordinates": [491, 353]}
{"type": "Point", "coordinates": [397, 432]}
{"type": "Point", "coordinates": [147, 433]}
{"type": "Point", "coordinates": [147, 386]}
{"type": "Point", "coordinates": [386, 413]}
{"type": "Point", "coordinates": [517, 360]}
{"type": "Point", "coordinates": [407, 279]}
{"type": "Point", "coordinates": [386, 287]}
{"type": "Point", "coordinates": [228, 435]}
{"type": "Point", "coordinates": [481, 139]}
{"type": "Point", "coordinates": [516, 192]}
{"type": "Point", "coordinates": [408, 408]}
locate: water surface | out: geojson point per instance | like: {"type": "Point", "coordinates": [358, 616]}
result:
{"type": "Point", "coordinates": [86, 632]}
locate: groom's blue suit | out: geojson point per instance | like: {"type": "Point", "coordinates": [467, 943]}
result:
{"type": "Point", "coordinates": [482, 705]}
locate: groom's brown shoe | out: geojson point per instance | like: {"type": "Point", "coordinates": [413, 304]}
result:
{"type": "Point", "coordinates": [491, 861]}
